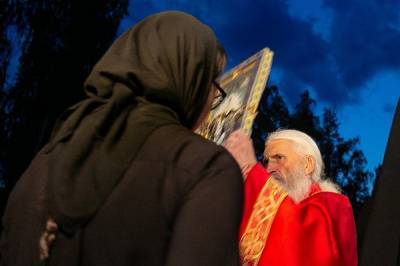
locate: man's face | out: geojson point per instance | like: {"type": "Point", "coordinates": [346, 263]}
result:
{"type": "Point", "coordinates": [284, 163]}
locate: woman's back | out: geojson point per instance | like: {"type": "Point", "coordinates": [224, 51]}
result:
{"type": "Point", "coordinates": [174, 206]}
{"type": "Point", "coordinates": [123, 176]}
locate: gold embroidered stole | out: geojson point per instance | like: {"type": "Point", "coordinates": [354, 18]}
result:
{"type": "Point", "coordinates": [262, 216]}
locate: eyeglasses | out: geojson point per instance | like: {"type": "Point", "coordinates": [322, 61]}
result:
{"type": "Point", "coordinates": [218, 99]}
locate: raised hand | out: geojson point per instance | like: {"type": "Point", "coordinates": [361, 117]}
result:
{"type": "Point", "coordinates": [241, 148]}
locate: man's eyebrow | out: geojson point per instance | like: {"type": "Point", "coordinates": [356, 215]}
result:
{"type": "Point", "coordinates": [275, 155]}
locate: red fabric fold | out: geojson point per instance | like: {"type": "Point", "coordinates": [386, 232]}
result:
{"type": "Point", "coordinates": [320, 230]}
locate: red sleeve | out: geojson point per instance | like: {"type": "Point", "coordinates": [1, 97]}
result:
{"type": "Point", "coordinates": [328, 234]}
{"type": "Point", "coordinates": [253, 184]}
{"type": "Point", "coordinates": [318, 231]}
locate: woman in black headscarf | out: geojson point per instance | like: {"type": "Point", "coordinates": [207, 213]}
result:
{"type": "Point", "coordinates": [123, 176]}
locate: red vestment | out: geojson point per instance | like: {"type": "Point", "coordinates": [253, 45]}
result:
{"type": "Point", "coordinates": [320, 230]}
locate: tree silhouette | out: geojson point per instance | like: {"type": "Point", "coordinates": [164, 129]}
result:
{"type": "Point", "coordinates": [61, 41]}
{"type": "Point", "coordinates": [304, 119]}
{"type": "Point", "coordinates": [328, 144]}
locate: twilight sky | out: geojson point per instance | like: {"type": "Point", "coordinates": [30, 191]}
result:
{"type": "Point", "coordinates": [345, 52]}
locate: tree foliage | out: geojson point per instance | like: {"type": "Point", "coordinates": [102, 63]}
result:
{"type": "Point", "coordinates": [59, 43]}
{"type": "Point", "coordinates": [344, 162]}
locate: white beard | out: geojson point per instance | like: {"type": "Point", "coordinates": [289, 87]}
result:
{"type": "Point", "coordinates": [297, 184]}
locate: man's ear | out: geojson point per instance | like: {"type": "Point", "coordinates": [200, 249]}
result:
{"type": "Point", "coordinates": [309, 165]}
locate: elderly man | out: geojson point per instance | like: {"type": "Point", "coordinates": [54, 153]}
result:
{"type": "Point", "coordinates": [291, 216]}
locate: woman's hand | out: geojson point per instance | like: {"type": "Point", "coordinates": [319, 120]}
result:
{"type": "Point", "coordinates": [47, 238]}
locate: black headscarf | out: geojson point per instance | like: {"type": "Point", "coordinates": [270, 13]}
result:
{"type": "Point", "coordinates": [158, 72]}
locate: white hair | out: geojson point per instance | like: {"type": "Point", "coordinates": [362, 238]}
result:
{"type": "Point", "coordinates": [305, 145]}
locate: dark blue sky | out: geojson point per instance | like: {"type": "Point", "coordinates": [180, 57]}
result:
{"type": "Point", "coordinates": [346, 52]}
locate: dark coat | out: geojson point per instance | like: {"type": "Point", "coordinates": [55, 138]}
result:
{"type": "Point", "coordinates": [378, 224]}
{"type": "Point", "coordinates": [179, 203]}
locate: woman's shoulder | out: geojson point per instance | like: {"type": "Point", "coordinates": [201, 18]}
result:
{"type": "Point", "coordinates": [176, 144]}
